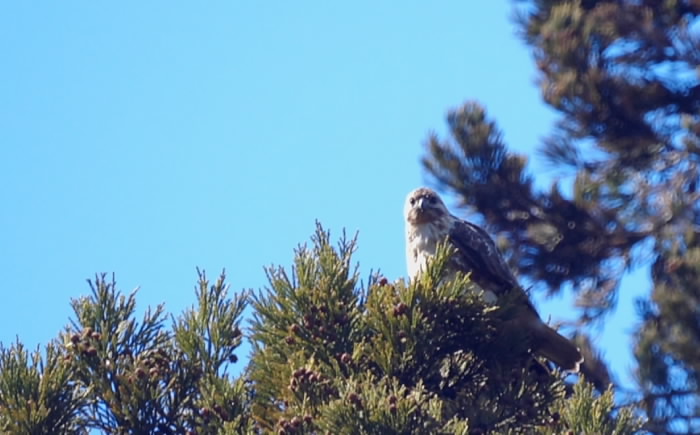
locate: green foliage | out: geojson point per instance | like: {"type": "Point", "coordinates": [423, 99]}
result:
{"type": "Point", "coordinates": [585, 412]}
{"type": "Point", "coordinates": [115, 374]}
{"type": "Point", "coordinates": [429, 357]}
{"type": "Point", "coordinates": [441, 334]}
{"type": "Point", "coordinates": [209, 334]}
{"type": "Point", "coordinates": [367, 405]}
{"type": "Point", "coordinates": [37, 394]}
{"type": "Point", "coordinates": [304, 321]}
{"type": "Point", "coordinates": [125, 364]}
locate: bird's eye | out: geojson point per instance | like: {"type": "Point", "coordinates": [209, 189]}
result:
{"type": "Point", "coordinates": [432, 200]}
{"type": "Point", "coordinates": [412, 201]}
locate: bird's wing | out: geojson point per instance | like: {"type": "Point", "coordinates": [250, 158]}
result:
{"type": "Point", "coordinates": [476, 251]}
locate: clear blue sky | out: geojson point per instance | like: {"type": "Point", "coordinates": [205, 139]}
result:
{"type": "Point", "coordinates": [148, 138]}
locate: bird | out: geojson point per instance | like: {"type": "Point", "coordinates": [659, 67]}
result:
{"type": "Point", "coordinates": [429, 222]}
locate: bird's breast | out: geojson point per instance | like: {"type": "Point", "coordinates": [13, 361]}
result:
{"type": "Point", "coordinates": [421, 242]}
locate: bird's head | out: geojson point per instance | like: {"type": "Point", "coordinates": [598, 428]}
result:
{"type": "Point", "coordinates": [423, 206]}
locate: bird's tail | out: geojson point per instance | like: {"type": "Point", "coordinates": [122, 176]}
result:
{"type": "Point", "coordinates": [556, 348]}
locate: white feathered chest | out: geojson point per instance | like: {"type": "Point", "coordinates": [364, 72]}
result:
{"type": "Point", "coordinates": [421, 242]}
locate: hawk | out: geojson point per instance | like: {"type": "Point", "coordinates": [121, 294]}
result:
{"type": "Point", "coordinates": [428, 222]}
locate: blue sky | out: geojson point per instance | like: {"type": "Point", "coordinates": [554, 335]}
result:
{"type": "Point", "coordinates": [148, 138]}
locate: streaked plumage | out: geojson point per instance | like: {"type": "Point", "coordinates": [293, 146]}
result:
{"type": "Point", "coordinates": [428, 222]}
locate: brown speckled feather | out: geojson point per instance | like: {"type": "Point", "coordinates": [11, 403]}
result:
{"type": "Point", "coordinates": [476, 252]}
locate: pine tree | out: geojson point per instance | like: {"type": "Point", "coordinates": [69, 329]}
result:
{"type": "Point", "coordinates": [112, 373]}
{"type": "Point", "coordinates": [38, 394]}
{"type": "Point", "coordinates": [330, 356]}
{"type": "Point", "coordinates": [623, 77]}
{"type": "Point", "coordinates": [333, 356]}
